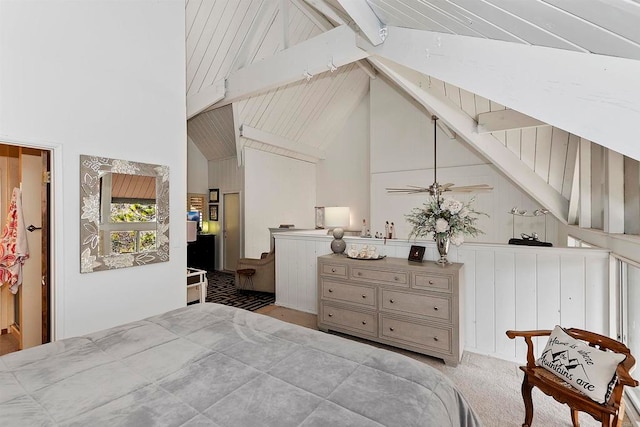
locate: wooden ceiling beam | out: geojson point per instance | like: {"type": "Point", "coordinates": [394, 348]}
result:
{"type": "Point", "coordinates": [592, 96]}
{"type": "Point", "coordinates": [281, 142]}
{"type": "Point", "coordinates": [415, 84]}
{"type": "Point", "coordinates": [207, 96]}
{"type": "Point", "coordinates": [502, 120]}
{"type": "Point", "coordinates": [336, 46]}
{"type": "Point", "coordinates": [366, 19]}
{"type": "Point", "coordinates": [329, 19]}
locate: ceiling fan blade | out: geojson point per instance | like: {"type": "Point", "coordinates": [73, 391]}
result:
{"type": "Point", "coordinates": [436, 189]}
{"type": "Point", "coordinates": [471, 188]}
{"type": "Point", "coordinates": [478, 186]}
{"type": "Point", "coordinates": [407, 190]}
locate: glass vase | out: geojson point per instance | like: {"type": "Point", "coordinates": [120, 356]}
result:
{"type": "Point", "coordinates": [442, 243]}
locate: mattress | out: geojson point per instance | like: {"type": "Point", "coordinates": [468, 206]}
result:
{"type": "Point", "coordinates": [213, 365]}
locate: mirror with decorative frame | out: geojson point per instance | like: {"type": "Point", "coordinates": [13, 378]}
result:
{"type": "Point", "coordinates": [124, 218]}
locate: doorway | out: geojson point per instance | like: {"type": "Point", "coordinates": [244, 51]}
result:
{"type": "Point", "coordinates": [25, 316]}
{"type": "Point", "coordinates": [230, 231]}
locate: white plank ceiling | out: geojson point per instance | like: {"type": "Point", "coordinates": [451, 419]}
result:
{"type": "Point", "coordinates": [607, 27]}
{"type": "Point", "coordinates": [226, 35]}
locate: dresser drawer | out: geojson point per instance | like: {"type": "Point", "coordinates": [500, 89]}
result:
{"type": "Point", "coordinates": [415, 333]}
{"type": "Point", "coordinates": [335, 270]}
{"type": "Point", "coordinates": [424, 305]}
{"type": "Point", "coordinates": [350, 319]}
{"type": "Point", "coordinates": [431, 282]}
{"type": "Point", "coordinates": [396, 278]}
{"type": "Point", "coordinates": [356, 294]}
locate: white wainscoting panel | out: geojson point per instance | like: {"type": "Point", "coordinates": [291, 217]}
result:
{"type": "Point", "coordinates": [505, 286]}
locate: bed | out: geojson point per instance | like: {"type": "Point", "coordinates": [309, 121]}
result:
{"type": "Point", "coordinates": [213, 365]}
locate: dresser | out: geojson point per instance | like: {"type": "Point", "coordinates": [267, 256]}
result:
{"type": "Point", "coordinates": [415, 306]}
{"type": "Point", "coordinates": [201, 254]}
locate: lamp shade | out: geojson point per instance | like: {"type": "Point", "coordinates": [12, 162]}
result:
{"type": "Point", "coordinates": [336, 216]}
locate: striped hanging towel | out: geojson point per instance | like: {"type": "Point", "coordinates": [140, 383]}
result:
{"type": "Point", "coordinates": [14, 249]}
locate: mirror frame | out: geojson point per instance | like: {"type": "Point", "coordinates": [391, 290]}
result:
{"type": "Point", "coordinates": [92, 168]}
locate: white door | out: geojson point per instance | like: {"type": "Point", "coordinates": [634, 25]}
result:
{"type": "Point", "coordinates": [231, 231]}
{"type": "Point", "coordinates": [31, 289]}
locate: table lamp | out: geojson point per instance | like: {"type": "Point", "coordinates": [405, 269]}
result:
{"type": "Point", "coordinates": [335, 218]}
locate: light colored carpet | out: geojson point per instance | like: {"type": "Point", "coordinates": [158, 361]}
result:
{"type": "Point", "coordinates": [492, 386]}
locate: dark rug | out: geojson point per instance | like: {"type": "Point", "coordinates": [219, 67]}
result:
{"type": "Point", "coordinates": [221, 289]}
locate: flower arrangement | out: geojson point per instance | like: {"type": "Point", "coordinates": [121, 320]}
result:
{"type": "Point", "coordinates": [444, 217]}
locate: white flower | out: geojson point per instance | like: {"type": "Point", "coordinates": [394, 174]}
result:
{"type": "Point", "coordinates": [444, 216]}
{"type": "Point", "coordinates": [442, 225]}
{"type": "Point", "coordinates": [452, 205]}
{"type": "Point", "coordinates": [457, 239]}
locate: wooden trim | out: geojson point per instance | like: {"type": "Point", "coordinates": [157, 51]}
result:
{"type": "Point", "coordinates": [15, 331]}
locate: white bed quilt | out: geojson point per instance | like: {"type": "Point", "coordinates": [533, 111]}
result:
{"type": "Point", "coordinates": [213, 365]}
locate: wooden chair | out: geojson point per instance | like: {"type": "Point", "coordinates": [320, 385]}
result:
{"type": "Point", "coordinates": [609, 414]}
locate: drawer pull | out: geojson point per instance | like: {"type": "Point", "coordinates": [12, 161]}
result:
{"type": "Point", "coordinates": [435, 308]}
{"type": "Point", "coordinates": [396, 278]}
{"type": "Point", "coordinates": [331, 290]}
{"type": "Point", "coordinates": [364, 296]}
{"type": "Point", "coordinates": [435, 338]}
{"type": "Point", "coordinates": [391, 329]}
{"type": "Point", "coordinates": [333, 270]}
{"type": "Point", "coordinates": [330, 314]}
{"type": "Point", "coordinates": [364, 322]}
{"type": "Point", "coordinates": [359, 273]}
{"type": "Point", "coordinates": [391, 301]}
{"type": "Point", "coordinates": [431, 282]}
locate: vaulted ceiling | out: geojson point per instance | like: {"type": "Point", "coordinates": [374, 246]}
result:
{"type": "Point", "coordinates": [284, 76]}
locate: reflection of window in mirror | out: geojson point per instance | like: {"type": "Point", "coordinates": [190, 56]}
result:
{"type": "Point", "coordinates": [128, 213]}
{"type": "Point", "coordinates": [197, 202]}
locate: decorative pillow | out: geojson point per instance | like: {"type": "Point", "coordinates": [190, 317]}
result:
{"type": "Point", "coordinates": [588, 369]}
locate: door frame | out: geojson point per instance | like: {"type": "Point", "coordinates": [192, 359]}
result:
{"type": "Point", "coordinates": [240, 226]}
{"type": "Point", "coordinates": [56, 226]}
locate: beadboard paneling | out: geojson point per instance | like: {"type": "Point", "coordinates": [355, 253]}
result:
{"type": "Point", "coordinates": [505, 287]}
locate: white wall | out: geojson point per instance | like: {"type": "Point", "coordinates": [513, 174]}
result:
{"type": "Point", "coordinates": [343, 177]}
{"type": "Point", "coordinates": [197, 170]}
{"type": "Point", "coordinates": [278, 190]}
{"type": "Point", "coordinates": [402, 154]}
{"type": "Point", "coordinates": [103, 78]}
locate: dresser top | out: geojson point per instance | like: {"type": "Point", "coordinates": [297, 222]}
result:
{"type": "Point", "coordinates": [389, 262]}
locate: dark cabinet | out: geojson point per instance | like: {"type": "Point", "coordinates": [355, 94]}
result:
{"type": "Point", "coordinates": [202, 253]}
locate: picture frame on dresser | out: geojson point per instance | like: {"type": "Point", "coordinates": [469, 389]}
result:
{"type": "Point", "coordinates": [416, 253]}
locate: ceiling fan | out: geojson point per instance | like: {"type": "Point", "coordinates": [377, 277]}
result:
{"type": "Point", "coordinates": [437, 189]}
